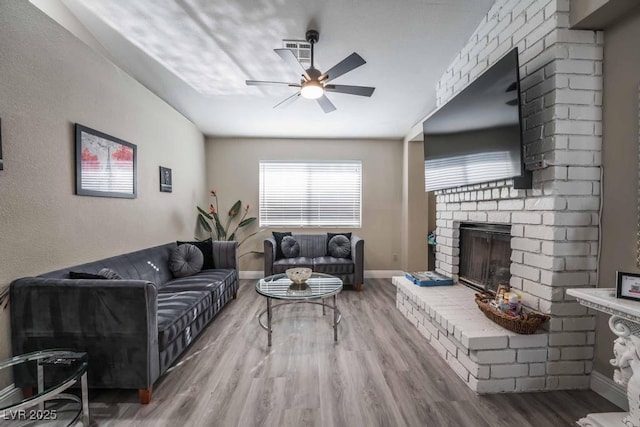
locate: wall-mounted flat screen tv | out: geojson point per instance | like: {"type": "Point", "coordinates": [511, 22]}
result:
{"type": "Point", "coordinates": [476, 137]}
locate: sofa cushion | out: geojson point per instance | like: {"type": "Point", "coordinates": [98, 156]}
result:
{"type": "Point", "coordinates": [176, 311]}
{"type": "Point", "coordinates": [290, 247]}
{"type": "Point", "coordinates": [312, 245]}
{"type": "Point", "coordinates": [82, 275]}
{"type": "Point", "coordinates": [331, 265]}
{"type": "Point", "coordinates": [149, 264]}
{"type": "Point", "coordinates": [332, 235]}
{"type": "Point", "coordinates": [110, 274]}
{"type": "Point", "coordinates": [185, 260]}
{"type": "Point", "coordinates": [340, 247]}
{"type": "Point", "coordinates": [214, 281]}
{"type": "Point", "coordinates": [278, 236]}
{"type": "Point", "coordinates": [282, 265]}
{"type": "Point", "coordinates": [206, 247]}
{"type": "Point", "coordinates": [179, 344]}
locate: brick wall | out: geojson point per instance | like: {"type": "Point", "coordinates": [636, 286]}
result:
{"type": "Point", "coordinates": [555, 224]}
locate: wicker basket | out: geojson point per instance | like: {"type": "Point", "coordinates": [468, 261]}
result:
{"type": "Point", "coordinates": [527, 323]}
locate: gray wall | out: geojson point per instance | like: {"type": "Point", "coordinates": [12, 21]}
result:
{"type": "Point", "coordinates": [232, 169]}
{"type": "Point", "coordinates": [418, 209]}
{"type": "Point", "coordinates": [48, 81]}
{"type": "Point", "coordinates": [620, 163]}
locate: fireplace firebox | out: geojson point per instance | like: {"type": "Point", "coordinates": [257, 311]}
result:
{"type": "Point", "coordinates": [485, 255]}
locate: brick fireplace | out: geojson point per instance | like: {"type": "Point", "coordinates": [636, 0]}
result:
{"type": "Point", "coordinates": [553, 226]}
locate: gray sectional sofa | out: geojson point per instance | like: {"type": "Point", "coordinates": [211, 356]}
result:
{"type": "Point", "coordinates": [133, 329]}
{"type": "Point", "coordinates": [313, 254]}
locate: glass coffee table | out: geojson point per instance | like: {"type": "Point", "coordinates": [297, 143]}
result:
{"type": "Point", "coordinates": [54, 371]}
{"type": "Point", "coordinates": [318, 286]}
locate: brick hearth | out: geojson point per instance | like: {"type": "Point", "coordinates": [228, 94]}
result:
{"type": "Point", "coordinates": [488, 358]}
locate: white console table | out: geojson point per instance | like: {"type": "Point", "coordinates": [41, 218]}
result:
{"type": "Point", "coordinates": [625, 324]}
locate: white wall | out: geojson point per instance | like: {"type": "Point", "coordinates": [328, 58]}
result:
{"type": "Point", "coordinates": [59, 12]}
{"type": "Point", "coordinates": [50, 80]}
{"type": "Point", "coordinates": [418, 208]}
{"type": "Point", "coordinates": [232, 169]}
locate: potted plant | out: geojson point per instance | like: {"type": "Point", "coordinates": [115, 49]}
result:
{"type": "Point", "coordinates": [211, 222]}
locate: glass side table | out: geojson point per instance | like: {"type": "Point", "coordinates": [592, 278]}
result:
{"type": "Point", "coordinates": [55, 370]}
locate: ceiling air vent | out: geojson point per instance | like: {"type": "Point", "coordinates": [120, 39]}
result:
{"type": "Point", "coordinates": [301, 49]}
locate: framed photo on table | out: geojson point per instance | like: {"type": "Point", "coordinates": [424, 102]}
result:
{"type": "Point", "coordinates": [628, 285]}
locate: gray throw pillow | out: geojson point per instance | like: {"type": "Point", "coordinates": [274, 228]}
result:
{"type": "Point", "coordinates": [278, 236]}
{"type": "Point", "coordinates": [110, 274]}
{"type": "Point", "coordinates": [290, 247]}
{"type": "Point", "coordinates": [330, 236]}
{"type": "Point", "coordinates": [340, 246]}
{"type": "Point", "coordinates": [206, 247]}
{"type": "Point", "coordinates": [185, 260]}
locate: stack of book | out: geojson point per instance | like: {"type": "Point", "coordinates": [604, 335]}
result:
{"type": "Point", "coordinates": [428, 278]}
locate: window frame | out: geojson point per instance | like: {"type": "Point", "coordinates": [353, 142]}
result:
{"type": "Point", "coordinates": [320, 224]}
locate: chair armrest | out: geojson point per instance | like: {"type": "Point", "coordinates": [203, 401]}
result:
{"type": "Point", "coordinates": [114, 321]}
{"type": "Point", "coordinates": [269, 255]}
{"type": "Point", "coordinates": [225, 255]}
{"type": "Point", "coordinates": [357, 254]}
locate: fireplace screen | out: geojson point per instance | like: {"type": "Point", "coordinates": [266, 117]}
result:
{"type": "Point", "coordinates": [485, 255]}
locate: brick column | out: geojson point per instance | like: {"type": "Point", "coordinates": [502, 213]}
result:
{"type": "Point", "coordinates": [555, 224]}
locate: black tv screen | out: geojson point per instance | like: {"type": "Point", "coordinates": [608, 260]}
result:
{"type": "Point", "coordinates": [476, 137]}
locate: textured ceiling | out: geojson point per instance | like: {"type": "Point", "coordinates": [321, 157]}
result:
{"type": "Point", "coordinates": [196, 54]}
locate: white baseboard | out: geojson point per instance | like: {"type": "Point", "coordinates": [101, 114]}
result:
{"type": "Point", "coordinates": [382, 274]}
{"type": "Point", "coordinates": [608, 389]}
{"type": "Point", "coordinates": [251, 274]}
{"type": "Point", "coordinates": [368, 274]}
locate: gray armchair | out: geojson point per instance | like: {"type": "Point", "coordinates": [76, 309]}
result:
{"type": "Point", "coordinates": [313, 254]}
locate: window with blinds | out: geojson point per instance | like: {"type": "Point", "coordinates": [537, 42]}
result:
{"type": "Point", "coordinates": [310, 194]}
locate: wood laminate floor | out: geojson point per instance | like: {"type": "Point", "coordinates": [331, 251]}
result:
{"type": "Point", "coordinates": [381, 372]}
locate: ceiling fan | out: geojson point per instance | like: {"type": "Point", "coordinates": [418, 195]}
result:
{"type": "Point", "coordinates": [313, 83]}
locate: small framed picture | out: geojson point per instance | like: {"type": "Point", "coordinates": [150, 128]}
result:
{"type": "Point", "coordinates": [628, 285]}
{"type": "Point", "coordinates": [165, 180]}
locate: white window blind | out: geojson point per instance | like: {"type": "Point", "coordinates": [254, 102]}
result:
{"type": "Point", "coordinates": [310, 194]}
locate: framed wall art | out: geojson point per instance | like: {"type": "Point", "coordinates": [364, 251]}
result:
{"type": "Point", "coordinates": [165, 180]}
{"type": "Point", "coordinates": [105, 165]}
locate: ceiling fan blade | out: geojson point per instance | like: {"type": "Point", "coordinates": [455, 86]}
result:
{"type": "Point", "coordinates": [351, 90]}
{"type": "Point", "coordinates": [347, 64]}
{"type": "Point", "coordinates": [267, 83]}
{"type": "Point", "coordinates": [289, 57]}
{"type": "Point", "coordinates": [288, 100]}
{"type": "Point", "coordinates": [327, 106]}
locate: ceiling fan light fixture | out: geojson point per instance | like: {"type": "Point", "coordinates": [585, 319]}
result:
{"type": "Point", "coordinates": [313, 83]}
{"type": "Point", "coordinates": [312, 90]}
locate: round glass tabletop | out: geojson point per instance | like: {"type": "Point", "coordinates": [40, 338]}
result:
{"type": "Point", "coordinates": [26, 366]}
{"type": "Point", "coordinates": [279, 286]}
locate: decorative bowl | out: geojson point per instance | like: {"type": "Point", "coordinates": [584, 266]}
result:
{"type": "Point", "coordinates": [298, 275]}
